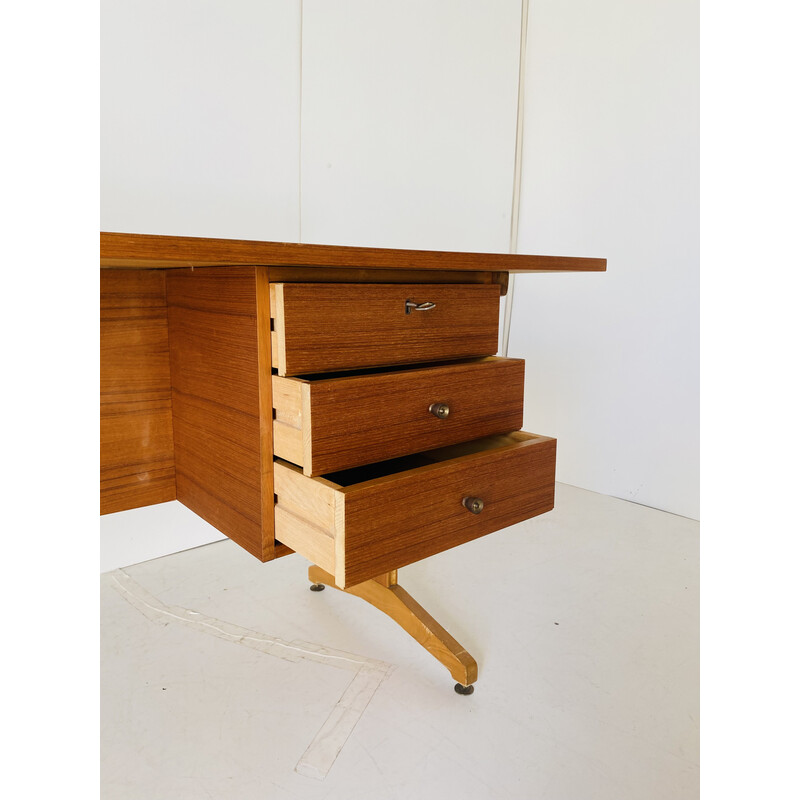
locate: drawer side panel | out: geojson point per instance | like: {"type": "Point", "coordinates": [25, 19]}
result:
{"type": "Point", "coordinates": [304, 538]}
{"type": "Point", "coordinates": [311, 500]}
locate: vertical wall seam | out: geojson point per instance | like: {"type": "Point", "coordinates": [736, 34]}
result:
{"type": "Point", "coordinates": [514, 231]}
{"type": "Point", "coordinates": [300, 138]}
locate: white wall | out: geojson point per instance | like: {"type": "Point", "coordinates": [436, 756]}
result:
{"type": "Point", "coordinates": [409, 113]}
{"type": "Point", "coordinates": [610, 168]}
{"type": "Point", "coordinates": [199, 117]}
{"type": "Point", "coordinates": [140, 534]}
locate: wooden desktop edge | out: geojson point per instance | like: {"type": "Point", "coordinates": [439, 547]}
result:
{"type": "Point", "coordinates": [146, 251]}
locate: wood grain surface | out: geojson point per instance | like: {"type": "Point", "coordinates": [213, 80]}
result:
{"type": "Point", "coordinates": [391, 522]}
{"type": "Point", "coordinates": [299, 534]}
{"type": "Point", "coordinates": [383, 523]}
{"type": "Point", "coordinates": [366, 418]}
{"type": "Point", "coordinates": [141, 250]}
{"type": "Point", "coordinates": [385, 594]}
{"type": "Point", "coordinates": [136, 451]}
{"type": "Point", "coordinates": [223, 452]}
{"type": "Point", "coordinates": [355, 275]}
{"type": "Point", "coordinates": [324, 327]}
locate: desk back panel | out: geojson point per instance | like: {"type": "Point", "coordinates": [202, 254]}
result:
{"type": "Point", "coordinates": [137, 466]}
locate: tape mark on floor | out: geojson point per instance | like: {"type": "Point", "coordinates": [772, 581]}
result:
{"type": "Point", "coordinates": [321, 754]}
{"type": "Point", "coordinates": [332, 736]}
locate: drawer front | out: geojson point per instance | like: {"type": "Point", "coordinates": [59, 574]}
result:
{"type": "Point", "coordinates": [328, 425]}
{"type": "Point", "coordinates": [361, 529]}
{"type": "Point", "coordinates": [324, 327]}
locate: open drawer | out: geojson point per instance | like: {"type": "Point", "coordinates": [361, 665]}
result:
{"type": "Point", "coordinates": [328, 423]}
{"type": "Point", "coordinates": [362, 522]}
{"type": "Point", "coordinates": [329, 327]}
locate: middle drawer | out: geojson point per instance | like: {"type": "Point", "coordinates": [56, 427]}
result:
{"type": "Point", "coordinates": [328, 423]}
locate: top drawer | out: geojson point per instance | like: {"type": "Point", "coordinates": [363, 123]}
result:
{"type": "Point", "coordinates": [325, 327]}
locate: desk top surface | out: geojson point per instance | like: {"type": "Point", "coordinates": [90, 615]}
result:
{"type": "Point", "coordinates": [144, 251]}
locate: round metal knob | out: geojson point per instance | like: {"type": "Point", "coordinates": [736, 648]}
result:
{"type": "Point", "coordinates": [473, 504]}
{"type": "Point", "coordinates": [441, 410]}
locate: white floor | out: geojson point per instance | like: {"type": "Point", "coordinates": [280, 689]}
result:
{"type": "Point", "coordinates": [227, 678]}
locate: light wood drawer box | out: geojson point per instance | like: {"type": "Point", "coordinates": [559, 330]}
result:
{"type": "Point", "coordinates": [329, 423]}
{"type": "Point", "coordinates": [329, 327]}
{"type": "Point", "coordinates": [363, 522]}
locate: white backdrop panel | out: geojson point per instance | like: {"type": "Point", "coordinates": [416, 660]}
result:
{"type": "Point", "coordinates": [610, 168]}
{"type": "Point", "coordinates": [199, 115]}
{"type": "Point", "coordinates": [408, 122]}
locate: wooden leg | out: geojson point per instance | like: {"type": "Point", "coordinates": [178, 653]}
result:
{"type": "Point", "coordinates": [385, 594]}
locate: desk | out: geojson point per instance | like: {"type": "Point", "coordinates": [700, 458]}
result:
{"type": "Point", "coordinates": [340, 402]}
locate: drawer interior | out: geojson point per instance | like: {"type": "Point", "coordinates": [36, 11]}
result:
{"type": "Point", "coordinates": [390, 368]}
{"type": "Point", "coordinates": [369, 472]}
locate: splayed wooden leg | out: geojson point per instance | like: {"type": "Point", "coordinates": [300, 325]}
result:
{"type": "Point", "coordinates": [388, 596]}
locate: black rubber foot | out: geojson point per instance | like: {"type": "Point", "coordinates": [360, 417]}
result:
{"type": "Point", "coordinates": [317, 587]}
{"type": "Point", "coordinates": [464, 689]}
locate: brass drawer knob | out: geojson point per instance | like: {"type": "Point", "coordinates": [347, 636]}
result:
{"type": "Point", "coordinates": [441, 410]}
{"type": "Point", "coordinates": [473, 504]}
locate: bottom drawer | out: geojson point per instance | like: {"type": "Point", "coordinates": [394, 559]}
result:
{"type": "Point", "coordinates": [362, 522]}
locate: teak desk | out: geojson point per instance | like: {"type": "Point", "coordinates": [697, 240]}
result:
{"type": "Point", "coordinates": [345, 403]}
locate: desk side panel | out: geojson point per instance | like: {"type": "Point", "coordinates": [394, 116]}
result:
{"type": "Point", "coordinates": [137, 466]}
{"type": "Point", "coordinates": [217, 397]}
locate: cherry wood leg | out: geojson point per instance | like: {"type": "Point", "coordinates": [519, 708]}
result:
{"type": "Point", "coordinates": [386, 595]}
